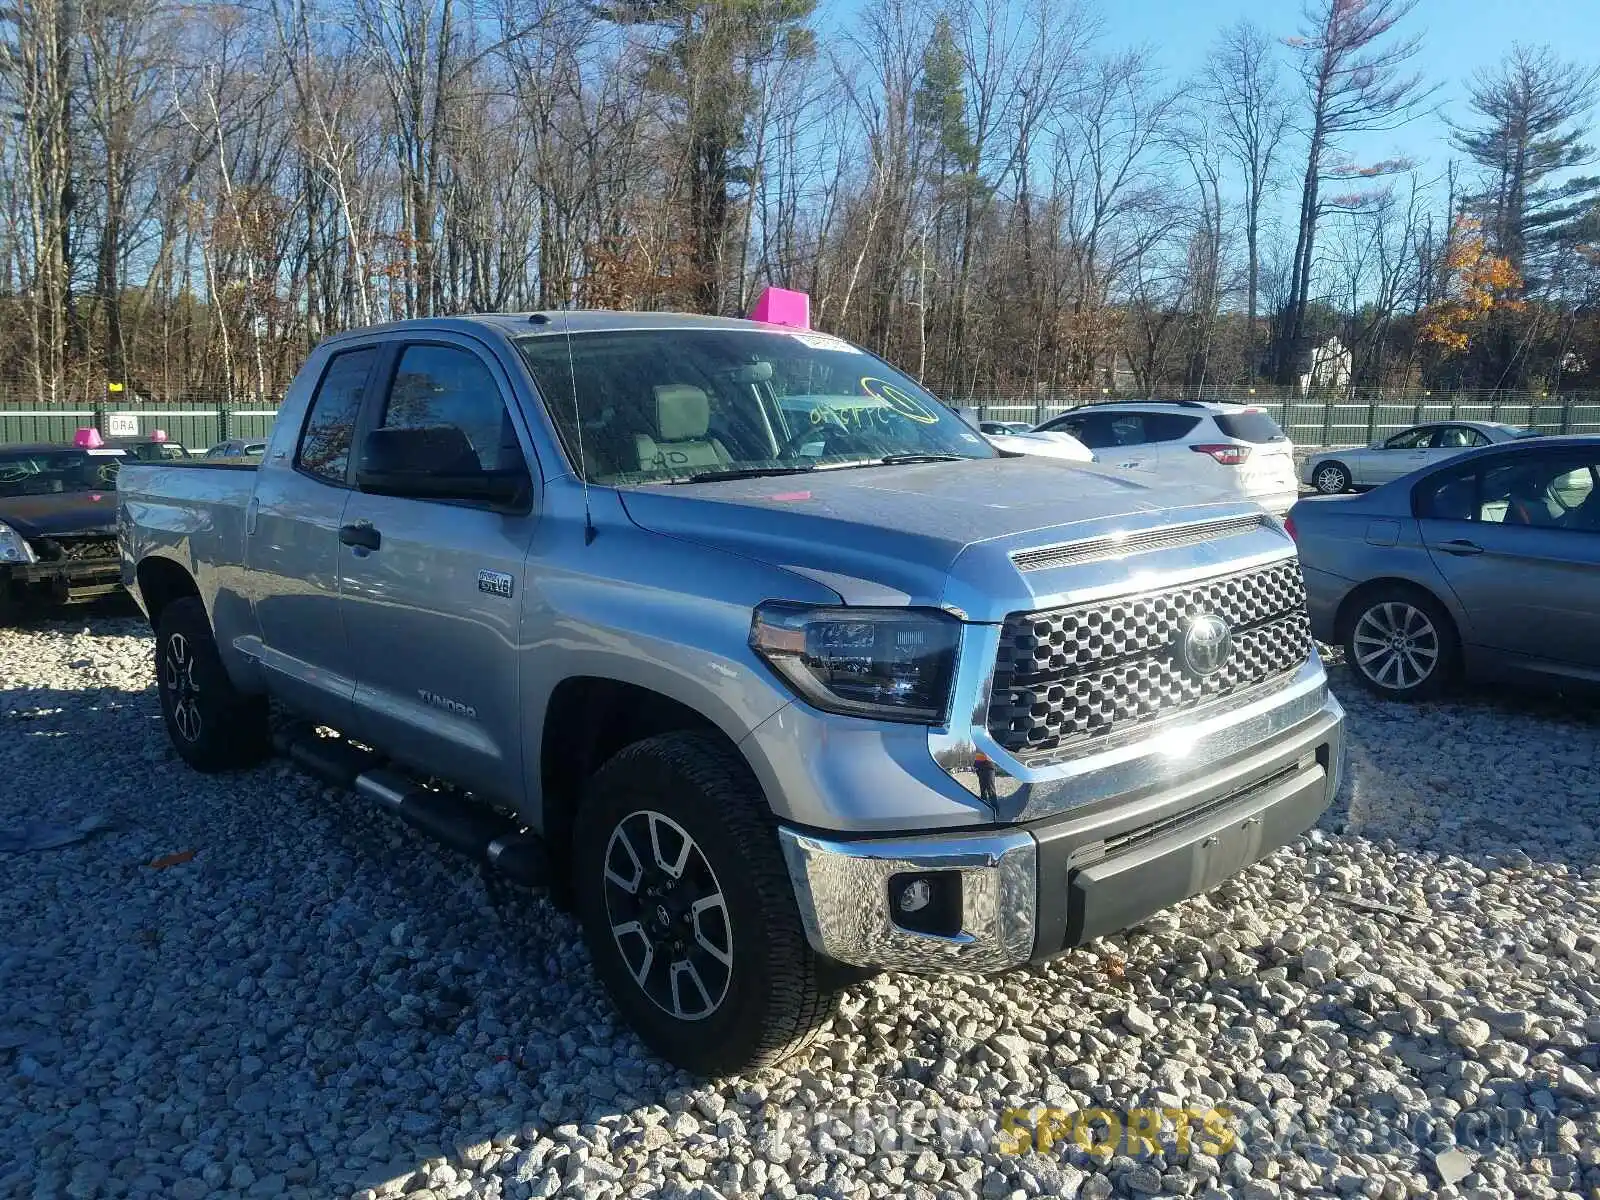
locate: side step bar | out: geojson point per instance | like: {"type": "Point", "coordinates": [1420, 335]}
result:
{"type": "Point", "coordinates": [471, 829]}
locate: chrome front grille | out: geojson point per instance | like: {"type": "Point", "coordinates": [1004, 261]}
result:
{"type": "Point", "coordinates": [1069, 679]}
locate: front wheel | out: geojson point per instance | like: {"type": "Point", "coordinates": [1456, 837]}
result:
{"type": "Point", "coordinates": [688, 909]}
{"type": "Point", "coordinates": [213, 726]}
{"type": "Point", "coordinates": [1332, 478]}
{"type": "Point", "coordinates": [1401, 644]}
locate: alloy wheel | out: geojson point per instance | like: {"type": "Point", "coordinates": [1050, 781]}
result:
{"type": "Point", "coordinates": [1331, 480]}
{"type": "Point", "coordinates": [1396, 645]}
{"type": "Point", "coordinates": [668, 915]}
{"type": "Point", "coordinates": [178, 672]}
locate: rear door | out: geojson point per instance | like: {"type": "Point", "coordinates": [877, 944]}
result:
{"type": "Point", "coordinates": [1118, 438]}
{"type": "Point", "coordinates": [292, 545]}
{"type": "Point", "coordinates": [1451, 440]}
{"type": "Point", "coordinates": [432, 588]}
{"type": "Point", "coordinates": [1517, 538]}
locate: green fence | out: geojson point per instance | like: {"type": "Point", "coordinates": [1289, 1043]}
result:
{"type": "Point", "coordinates": [195, 425]}
{"type": "Point", "coordinates": [1333, 421]}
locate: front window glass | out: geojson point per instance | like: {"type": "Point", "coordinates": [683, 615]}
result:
{"type": "Point", "coordinates": [678, 404]}
{"type": "Point", "coordinates": [52, 472]}
{"type": "Point", "coordinates": [1415, 439]}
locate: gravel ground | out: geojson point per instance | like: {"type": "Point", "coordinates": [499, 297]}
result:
{"type": "Point", "coordinates": [320, 1003]}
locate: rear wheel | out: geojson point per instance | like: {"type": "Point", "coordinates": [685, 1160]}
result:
{"type": "Point", "coordinates": [1331, 478]}
{"type": "Point", "coordinates": [213, 726]}
{"type": "Point", "coordinates": [1401, 644]}
{"type": "Point", "coordinates": [688, 909]}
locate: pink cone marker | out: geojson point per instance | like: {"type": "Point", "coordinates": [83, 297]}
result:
{"type": "Point", "coordinates": [780, 306]}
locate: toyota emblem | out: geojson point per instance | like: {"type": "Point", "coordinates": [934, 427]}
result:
{"type": "Point", "coordinates": [1204, 644]}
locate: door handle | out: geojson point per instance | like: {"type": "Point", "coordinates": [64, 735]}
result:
{"type": "Point", "coordinates": [361, 535]}
{"type": "Point", "coordinates": [1460, 546]}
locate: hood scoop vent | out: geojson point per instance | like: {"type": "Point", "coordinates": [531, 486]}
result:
{"type": "Point", "coordinates": [1043, 558]}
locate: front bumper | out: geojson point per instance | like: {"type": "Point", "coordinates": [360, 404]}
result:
{"type": "Point", "coordinates": [1032, 890]}
{"type": "Point", "coordinates": [63, 580]}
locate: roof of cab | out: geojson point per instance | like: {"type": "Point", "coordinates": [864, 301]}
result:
{"type": "Point", "coordinates": [558, 322]}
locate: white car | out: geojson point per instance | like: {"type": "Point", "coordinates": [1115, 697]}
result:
{"type": "Point", "coordinates": [1056, 443]}
{"type": "Point", "coordinates": [1236, 447]}
{"type": "Point", "coordinates": [1335, 471]}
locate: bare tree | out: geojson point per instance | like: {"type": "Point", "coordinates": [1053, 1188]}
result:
{"type": "Point", "coordinates": [1355, 80]}
{"type": "Point", "coordinates": [1242, 89]}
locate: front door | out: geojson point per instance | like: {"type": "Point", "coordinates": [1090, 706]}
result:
{"type": "Point", "coordinates": [292, 546]}
{"type": "Point", "coordinates": [433, 588]}
{"type": "Point", "coordinates": [1400, 455]}
{"type": "Point", "coordinates": [1525, 560]}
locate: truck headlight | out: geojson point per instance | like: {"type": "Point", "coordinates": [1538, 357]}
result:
{"type": "Point", "coordinates": [13, 547]}
{"type": "Point", "coordinates": [894, 664]}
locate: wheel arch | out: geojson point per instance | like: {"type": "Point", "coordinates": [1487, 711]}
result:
{"type": "Point", "coordinates": [162, 580]}
{"type": "Point", "coordinates": [1362, 593]}
{"type": "Point", "coordinates": [587, 721]}
{"type": "Point", "coordinates": [1333, 460]}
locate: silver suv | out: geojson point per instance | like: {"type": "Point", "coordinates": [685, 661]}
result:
{"type": "Point", "coordinates": [788, 671]}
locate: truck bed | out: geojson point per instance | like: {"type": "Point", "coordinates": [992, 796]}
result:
{"type": "Point", "coordinates": [190, 511]}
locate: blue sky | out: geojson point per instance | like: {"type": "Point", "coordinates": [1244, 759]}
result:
{"type": "Point", "coordinates": [1459, 36]}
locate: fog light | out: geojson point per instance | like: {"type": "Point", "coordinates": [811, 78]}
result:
{"type": "Point", "coordinates": [926, 902]}
{"type": "Point", "coordinates": [916, 895]}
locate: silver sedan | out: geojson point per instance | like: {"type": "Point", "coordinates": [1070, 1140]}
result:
{"type": "Point", "coordinates": [1487, 565]}
{"type": "Point", "coordinates": [1335, 471]}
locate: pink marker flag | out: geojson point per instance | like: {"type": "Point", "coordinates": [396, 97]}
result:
{"type": "Point", "coordinates": [780, 306]}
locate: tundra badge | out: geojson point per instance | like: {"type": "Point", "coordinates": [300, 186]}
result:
{"type": "Point", "coordinates": [496, 583]}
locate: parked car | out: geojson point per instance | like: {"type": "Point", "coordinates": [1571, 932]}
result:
{"type": "Point", "coordinates": [1488, 566]}
{"type": "Point", "coordinates": [1232, 446]}
{"type": "Point", "coordinates": [238, 448]}
{"type": "Point", "coordinates": [149, 449]}
{"type": "Point", "coordinates": [1334, 471]}
{"type": "Point", "coordinates": [783, 698]}
{"type": "Point", "coordinates": [1050, 443]}
{"type": "Point", "coordinates": [1005, 427]}
{"type": "Point", "coordinates": [58, 510]}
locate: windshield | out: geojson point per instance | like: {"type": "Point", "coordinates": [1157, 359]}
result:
{"type": "Point", "coordinates": [51, 472]}
{"type": "Point", "coordinates": [682, 404]}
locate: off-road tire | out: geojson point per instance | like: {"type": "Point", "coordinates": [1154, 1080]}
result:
{"type": "Point", "coordinates": [213, 726]}
{"type": "Point", "coordinates": [776, 998]}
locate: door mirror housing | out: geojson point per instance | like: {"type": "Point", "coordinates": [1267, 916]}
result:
{"type": "Point", "coordinates": [437, 462]}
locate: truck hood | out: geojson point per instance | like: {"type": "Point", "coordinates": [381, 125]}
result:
{"type": "Point", "coordinates": [61, 513]}
{"type": "Point", "coordinates": [924, 534]}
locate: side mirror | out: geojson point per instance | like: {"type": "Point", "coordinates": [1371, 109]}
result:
{"type": "Point", "coordinates": [435, 462]}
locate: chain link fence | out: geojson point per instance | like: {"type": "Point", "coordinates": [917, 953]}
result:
{"type": "Point", "coordinates": [194, 424]}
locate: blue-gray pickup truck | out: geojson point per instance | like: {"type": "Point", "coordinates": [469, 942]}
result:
{"type": "Point", "coordinates": [787, 672]}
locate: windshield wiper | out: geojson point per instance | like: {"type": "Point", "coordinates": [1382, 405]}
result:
{"type": "Point", "coordinates": [891, 460]}
{"type": "Point", "coordinates": [743, 473]}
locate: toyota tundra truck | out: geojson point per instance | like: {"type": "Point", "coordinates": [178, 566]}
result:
{"type": "Point", "coordinates": [784, 669]}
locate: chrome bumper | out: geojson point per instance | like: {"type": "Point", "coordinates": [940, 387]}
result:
{"type": "Point", "coordinates": [1031, 891]}
{"type": "Point", "coordinates": [843, 892]}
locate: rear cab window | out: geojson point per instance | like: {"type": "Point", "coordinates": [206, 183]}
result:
{"type": "Point", "coordinates": [329, 431]}
{"type": "Point", "coordinates": [1252, 425]}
